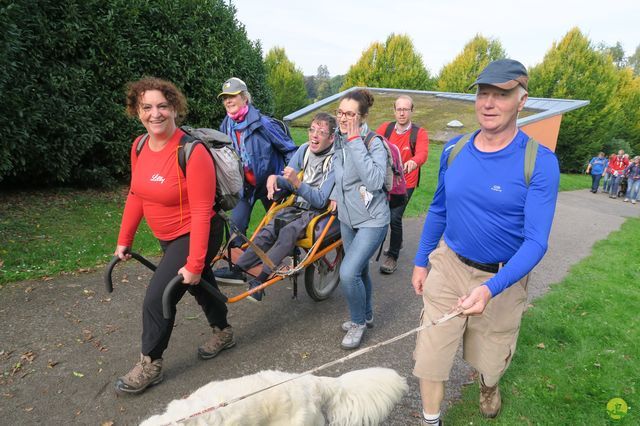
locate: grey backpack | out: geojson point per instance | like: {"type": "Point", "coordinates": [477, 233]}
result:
{"type": "Point", "coordinates": [229, 170]}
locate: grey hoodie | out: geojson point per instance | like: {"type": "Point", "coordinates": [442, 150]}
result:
{"type": "Point", "coordinates": [359, 180]}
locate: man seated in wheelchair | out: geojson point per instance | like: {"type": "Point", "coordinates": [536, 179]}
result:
{"type": "Point", "coordinates": [309, 175]}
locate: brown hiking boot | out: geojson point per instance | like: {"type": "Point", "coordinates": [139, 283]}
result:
{"type": "Point", "coordinates": [389, 265]}
{"type": "Point", "coordinates": [221, 340]}
{"type": "Point", "coordinates": [144, 374]}
{"type": "Point", "coordinates": [490, 401]}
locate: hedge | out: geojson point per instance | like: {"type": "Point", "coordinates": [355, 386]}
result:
{"type": "Point", "coordinates": [65, 66]}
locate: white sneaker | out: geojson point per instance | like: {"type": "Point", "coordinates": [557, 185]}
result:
{"type": "Point", "coordinates": [626, 200]}
{"type": "Point", "coordinates": [633, 201]}
{"type": "Point", "coordinates": [353, 338]}
{"type": "Point", "coordinates": [347, 324]}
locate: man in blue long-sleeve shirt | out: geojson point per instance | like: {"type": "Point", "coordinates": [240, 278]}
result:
{"type": "Point", "coordinates": [494, 223]}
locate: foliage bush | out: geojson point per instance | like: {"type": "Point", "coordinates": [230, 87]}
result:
{"type": "Point", "coordinates": [286, 83]}
{"type": "Point", "coordinates": [393, 64]}
{"type": "Point", "coordinates": [574, 69]}
{"type": "Point", "coordinates": [457, 75]}
{"type": "Point", "coordinates": [65, 65]}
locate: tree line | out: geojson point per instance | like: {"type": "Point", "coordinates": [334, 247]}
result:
{"type": "Point", "coordinates": [65, 65]}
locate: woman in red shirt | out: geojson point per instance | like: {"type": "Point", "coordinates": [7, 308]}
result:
{"type": "Point", "coordinates": [179, 211]}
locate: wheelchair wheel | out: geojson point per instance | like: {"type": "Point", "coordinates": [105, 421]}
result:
{"type": "Point", "coordinates": [323, 275]}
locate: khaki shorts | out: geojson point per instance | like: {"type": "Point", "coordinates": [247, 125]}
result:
{"type": "Point", "coordinates": [489, 340]}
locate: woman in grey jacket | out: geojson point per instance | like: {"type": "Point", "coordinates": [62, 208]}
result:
{"type": "Point", "coordinates": [362, 206]}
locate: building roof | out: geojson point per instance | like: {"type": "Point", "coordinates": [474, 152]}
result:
{"type": "Point", "coordinates": [545, 107]}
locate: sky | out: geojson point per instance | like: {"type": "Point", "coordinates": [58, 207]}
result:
{"type": "Point", "coordinates": [336, 32]}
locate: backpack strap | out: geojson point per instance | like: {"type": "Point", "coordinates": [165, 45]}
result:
{"type": "Point", "coordinates": [141, 142]}
{"type": "Point", "coordinates": [185, 148]}
{"type": "Point", "coordinates": [368, 137]}
{"type": "Point", "coordinates": [413, 138]}
{"type": "Point", "coordinates": [389, 129]}
{"type": "Point", "coordinates": [457, 147]}
{"type": "Point", "coordinates": [530, 155]}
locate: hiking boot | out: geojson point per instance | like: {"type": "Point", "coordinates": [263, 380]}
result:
{"type": "Point", "coordinates": [231, 275]}
{"type": "Point", "coordinates": [353, 338]}
{"type": "Point", "coordinates": [258, 295]}
{"type": "Point", "coordinates": [490, 401]}
{"type": "Point", "coordinates": [347, 324]}
{"type": "Point", "coordinates": [221, 340]}
{"type": "Point", "coordinates": [144, 374]}
{"type": "Point", "coordinates": [389, 265]}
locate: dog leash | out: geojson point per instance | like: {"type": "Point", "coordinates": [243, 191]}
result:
{"type": "Point", "coordinates": [446, 317]}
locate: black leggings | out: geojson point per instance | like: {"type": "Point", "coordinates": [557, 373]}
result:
{"type": "Point", "coordinates": [156, 331]}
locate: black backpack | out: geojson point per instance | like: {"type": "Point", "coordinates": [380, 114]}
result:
{"type": "Point", "coordinates": [413, 138]}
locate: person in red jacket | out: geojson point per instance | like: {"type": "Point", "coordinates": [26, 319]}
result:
{"type": "Point", "coordinates": [401, 133]}
{"type": "Point", "coordinates": [618, 165]}
{"type": "Point", "coordinates": [179, 210]}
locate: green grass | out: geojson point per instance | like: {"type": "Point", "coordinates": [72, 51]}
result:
{"type": "Point", "coordinates": [570, 182]}
{"type": "Point", "coordinates": [49, 232]}
{"type": "Point", "coordinates": [590, 329]}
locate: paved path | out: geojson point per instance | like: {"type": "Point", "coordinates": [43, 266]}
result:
{"type": "Point", "coordinates": [64, 342]}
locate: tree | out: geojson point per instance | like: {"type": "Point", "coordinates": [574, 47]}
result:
{"type": "Point", "coordinates": [464, 69]}
{"type": "Point", "coordinates": [64, 68]}
{"type": "Point", "coordinates": [310, 85]}
{"type": "Point", "coordinates": [616, 52]}
{"type": "Point", "coordinates": [628, 125]}
{"type": "Point", "coordinates": [336, 83]}
{"type": "Point", "coordinates": [634, 61]}
{"type": "Point", "coordinates": [285, 81]}
{"type": "Point", "coordinates": [394, 64]}
{"type": "Point", "coordinates": [574, 69]}
{"type": "Point", "coordinates": [322, 82]}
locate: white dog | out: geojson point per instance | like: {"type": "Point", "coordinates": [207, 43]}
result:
{"type": "Point", "coordinates": [361, 397]}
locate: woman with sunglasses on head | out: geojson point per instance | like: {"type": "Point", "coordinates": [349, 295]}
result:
{"type": "Point", "coordinates": [362, 206]}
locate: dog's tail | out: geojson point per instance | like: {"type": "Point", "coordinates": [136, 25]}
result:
{"type": "Point", "coordinates": [362, 397]}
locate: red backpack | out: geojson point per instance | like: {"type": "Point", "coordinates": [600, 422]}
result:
{"type": "Point", "coordinates": [394, 183]}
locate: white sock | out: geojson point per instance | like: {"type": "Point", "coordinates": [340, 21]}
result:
{"type": "Point", "coordinates": [430, 419]}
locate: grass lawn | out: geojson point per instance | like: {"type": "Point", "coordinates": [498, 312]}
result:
{"type": "Point", "coordinates": [578, 347]}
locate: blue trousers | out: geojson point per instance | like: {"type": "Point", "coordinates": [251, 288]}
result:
{"type": "Point", "coordinates": [359, 246]}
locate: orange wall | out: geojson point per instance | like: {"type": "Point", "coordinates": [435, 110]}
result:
{"type": "Point", "coordinates": [545, 131]}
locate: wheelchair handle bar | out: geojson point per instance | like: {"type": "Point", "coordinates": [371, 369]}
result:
{"type": "Point", "coordinates": [173, 285]}
{"type": "Point", "coordinates": [114, 261]}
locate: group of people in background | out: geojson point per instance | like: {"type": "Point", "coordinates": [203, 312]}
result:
{"type": "Point", "coordinates": [479, 243]}
{"type": "Point", "coordinates": [620, 176]}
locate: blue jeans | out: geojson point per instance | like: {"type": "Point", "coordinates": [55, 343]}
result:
{"type": "Point", "coordinates": [633, 187]}
{"type": "Point", "coordinates": [615, 185]}
{"type": "Point", "coordinates": [359, 246]}
{"type": "Point", "coordinates": [595, 182]}
{"type": "Point", "coordinates": [395, 237]}
{"type": "Point", "coordinates": [606, 182]}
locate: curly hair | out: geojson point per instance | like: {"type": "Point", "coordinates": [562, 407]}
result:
{"type": "Point", "coordinates": [136, 89]}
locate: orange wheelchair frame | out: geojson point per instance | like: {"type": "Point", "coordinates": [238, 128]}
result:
{"type": "Point", "coordinates": [322, 249]}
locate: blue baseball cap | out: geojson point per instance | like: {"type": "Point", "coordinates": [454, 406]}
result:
{"type": "Point", "coordinates": [503, 73]}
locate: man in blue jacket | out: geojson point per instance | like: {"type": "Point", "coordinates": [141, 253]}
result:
{"type": "Point", "coordinates": [495, 224]}
{"type": "Point", "coordinates": [261, 143]}
{"type": "Point", "coordinates": [596, 168]}
{"type": "Point", "coordinates": [310, 176]}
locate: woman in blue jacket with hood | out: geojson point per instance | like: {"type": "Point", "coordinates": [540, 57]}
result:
{"type": "Point", "coordinates": [362, 206]}
{"type": "Point", "coordinates": [263, 146]}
